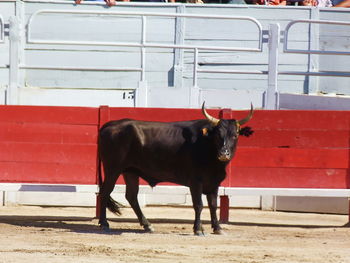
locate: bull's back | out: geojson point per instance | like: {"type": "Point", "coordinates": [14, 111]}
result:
{"type": "Point", "coordinates": [147, 145]}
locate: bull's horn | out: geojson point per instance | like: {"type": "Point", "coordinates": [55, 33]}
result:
{"type": "Point", "coordinates": [213, 121]}
{"type": "Point", "coordinates": [250, 115]}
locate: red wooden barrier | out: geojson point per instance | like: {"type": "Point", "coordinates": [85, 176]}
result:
{"type": "Point", "coordinates": [291, 149]}
{"type": "Point", "coordinates": [295, 149]}
{"type": "Point", "coordinates": [299, 149]}
{"type": "Point", "coordinates": [48, 144]}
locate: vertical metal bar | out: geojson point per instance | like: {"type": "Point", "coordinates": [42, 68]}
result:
{"type": "Point", "coordinates": [14, 41]}
{"type": "Point", "coordinates": [312, 83]}
{"type": "Point", "coordinates": [195, 66]}
{"type": "Point", "coordinates": [143, 49]}
{"type": "Point", "coordinates": [271, 94]}
{"type": "Point", "coordinates": [179, 52]}
{"type": "Point", "coordinates": [195, 95]}
{"type": "Point", "coordinates": [2, 30]}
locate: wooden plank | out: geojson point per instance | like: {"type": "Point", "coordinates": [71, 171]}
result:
{"type": "Point", "coordinates": [90, 58]}
{"type": "Point", "coordinates": [51, 173]}
{"type": "Point", "coordinates": [49, 114]}
{"type": "Point", "coordinates": [75, 96]}
{"type": "Point", "coordinates": [296, 139]}
{"type": "Point", "coordinates": [303, 120]}
{"type": "Point", "coordinates": [290, 177]}
{"type": "Point", "coordinates": [48, 153]}
{"type": "Point", "coordinates": [82, 79]}
{"type": "Point", "coordinates": [47, 133]}
{"type": "Point", "coordinates": [69, 27]}
{"type": "Point", "coordinates": [261, 13]}
{"type": "Point", "coordinates": [292, 158]}
{"type": "Point", "coordinates": [154, 114]}
{"type": "Point", "coordinates": [330, 14]}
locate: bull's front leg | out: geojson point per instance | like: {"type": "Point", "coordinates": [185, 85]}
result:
{"type": "Point", "coordinates": [213, 205]}
{"type": "Point", "coordinates": [196, 193]}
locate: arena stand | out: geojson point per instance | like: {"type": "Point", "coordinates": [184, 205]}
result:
{"type": "Point", "coordinates": [292, 153]}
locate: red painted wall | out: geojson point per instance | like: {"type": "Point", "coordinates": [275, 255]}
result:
{"type": "Point", "coordinates": [48, 144]}
{"type": "Point", "coordinates": [288, 149]}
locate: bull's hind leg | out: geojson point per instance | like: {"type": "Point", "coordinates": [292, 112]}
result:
{"type": "Point", "coordinates": [105, 192]}
{"type": "Point", "coordinates": [132, 189]}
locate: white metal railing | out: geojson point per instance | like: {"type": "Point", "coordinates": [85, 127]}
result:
{"type": "Point", "coordinates": [313, 51]}
{"type": "Point", "coordinates": [144, 43]}
{"type": "Point", "coordinates": [143, 40]}
{"type": "Point", "coordinates": [272, 71]}
{"type": "Point", "coordinates": [2, 30]}
{"type": "Point", "coordinates": [272, 93]}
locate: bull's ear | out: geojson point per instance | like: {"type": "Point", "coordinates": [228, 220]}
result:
{"type": "Point", "coordinates": [246, 131]}
{"type": "Point", "coordinates": [205, 131]}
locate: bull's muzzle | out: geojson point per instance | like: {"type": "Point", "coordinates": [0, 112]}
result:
{"type": "Point", "coordinates": [225, 156]}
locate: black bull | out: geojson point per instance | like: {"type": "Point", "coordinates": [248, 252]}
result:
{"type": "Point", "coordinates": [191, 153]}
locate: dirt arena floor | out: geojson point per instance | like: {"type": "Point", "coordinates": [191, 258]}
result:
{"type": "Point", "coordinates": [37, 234]}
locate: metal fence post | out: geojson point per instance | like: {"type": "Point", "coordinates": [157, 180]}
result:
{"type": "Point", "coordinates": [14, 40]}
{"type": "Point", "coordinates": [271, 94]}
{"type": "Point", "coordinates": [141, 92]}
{"type": "Point", "coordinates": [178, 52]}
{"type": "Point", "coordinates": [194, 90]}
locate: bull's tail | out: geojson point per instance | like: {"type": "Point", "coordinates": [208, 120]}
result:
{"type": "Point", "coordinates": [112, 205]}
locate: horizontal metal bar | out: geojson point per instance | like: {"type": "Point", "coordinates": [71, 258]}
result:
{"type": "Point", "coordinates": [319, 74]}
{"type": "Point", "coordinates": [319, 52]}
{"type": "Point", "coordinates": [143, 14]}
{"type": "Point", "coordinates": [79, 68]}
{"type": "Point", "coordinates": [263, 72]}
{"type": "Point", "coordinates": [140, 45]}
{"type": "Point", "coordinates": [310, 21]}
{"type": "Point", "coordinates": [228, 71]}
{"type": "Point", "coordinates": [314, 21]}
{"type": "Point", "coordinates": [128, 13]}
{"type": "Point", "coordinates": [247, 72]}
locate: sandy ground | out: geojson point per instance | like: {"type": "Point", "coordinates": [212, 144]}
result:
{"type": "Point", "coordinates": [36, 234]}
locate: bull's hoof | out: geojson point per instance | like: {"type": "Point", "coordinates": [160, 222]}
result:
{"type": "Point", "coordinates": [105, 229]}
{"type": "Point", "coordinates": [148, 228]}
{"type": "Point", "coordinates": [104, 226]}
{"type": "Point", "coordinates": [199, 233]}
{"type": "Point", "coordinates": [218, 232]}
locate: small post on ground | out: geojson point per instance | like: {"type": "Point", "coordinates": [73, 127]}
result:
{"type": "Point", "coordinates": [224, 208]}
{"type": "Point", "coordinates": [348, 224]}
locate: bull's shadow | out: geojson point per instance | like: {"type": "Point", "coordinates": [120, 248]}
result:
{"type": "Point", "coordinates": [89, 225]}
{"type": "Point", "coordinates": [86, 225]}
